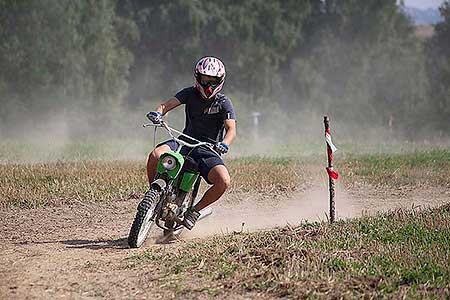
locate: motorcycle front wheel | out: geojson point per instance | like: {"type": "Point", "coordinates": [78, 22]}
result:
{"type": "Point", "coordinates": [143, 219]}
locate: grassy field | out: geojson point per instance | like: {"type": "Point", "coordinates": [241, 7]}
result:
{"type": "Point", "coordinates": [32, 152]}
{"type": "Point", "coordinates": [399, 254]}
{"type": "Point", "coordinates": [31, 185]}
{"type": "Point", "coordinates": [416, 169]}
{"type": "Point", "coordinates": [59, 183]}
{"type": "Point", "coordinates": [405, 253]}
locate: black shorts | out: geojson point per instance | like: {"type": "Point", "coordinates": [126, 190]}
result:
{"type": "Point", "coordinates": [205, 158]}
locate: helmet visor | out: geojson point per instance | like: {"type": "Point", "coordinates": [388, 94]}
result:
{"type": "Point", "coordinates": [212, 81]}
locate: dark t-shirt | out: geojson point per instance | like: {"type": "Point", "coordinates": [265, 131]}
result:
{"type": "Point", "coordinates": [205, 118]}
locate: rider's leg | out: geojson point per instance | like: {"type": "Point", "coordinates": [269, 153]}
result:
{"type": "Point", "coordinates": [220, 179]}
{"type": "Point", "coordinates": [152, 161]}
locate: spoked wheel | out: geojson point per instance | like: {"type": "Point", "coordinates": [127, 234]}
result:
{"type": "Point", "coordinates": [143, 222]}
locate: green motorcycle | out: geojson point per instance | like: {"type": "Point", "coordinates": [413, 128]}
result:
{"type": "Point", "coordinates": [172, 192]}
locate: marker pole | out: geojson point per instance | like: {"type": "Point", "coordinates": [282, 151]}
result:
{"type": "Point", "coordinates": [330, 171]}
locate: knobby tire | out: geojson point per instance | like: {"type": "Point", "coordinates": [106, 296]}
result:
{"type": "Point", "coordinates": [142, 222]}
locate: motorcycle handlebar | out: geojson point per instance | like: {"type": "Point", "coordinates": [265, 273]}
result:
{"type": "Point", "coordinates": [170, 130]}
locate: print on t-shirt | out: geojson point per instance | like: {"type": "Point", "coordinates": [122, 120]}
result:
{"type": "Point", "coordinates": [205, 118]}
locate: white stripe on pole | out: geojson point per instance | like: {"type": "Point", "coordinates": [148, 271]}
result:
{"type": "Point", "coordinates": [329, 142]}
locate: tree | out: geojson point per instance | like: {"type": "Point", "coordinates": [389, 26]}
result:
{"type": "Point", "coordinates": [439, 70]}
{"type": "Point", "coordinates": [174, 34]}
{"type": "Point", "coordinates": [58, 55]}
{"type": "Point", "coordinates": [360, 61]}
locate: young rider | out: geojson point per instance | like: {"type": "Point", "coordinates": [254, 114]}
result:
{"type": "Point", "coordinates": [209, 117]}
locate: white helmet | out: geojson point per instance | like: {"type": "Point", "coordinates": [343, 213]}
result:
{"type": "Point", "coordinates": [209, 73]}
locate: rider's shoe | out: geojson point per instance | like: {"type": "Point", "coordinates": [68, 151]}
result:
{"type": "Point", "coordinates": [190, 217]}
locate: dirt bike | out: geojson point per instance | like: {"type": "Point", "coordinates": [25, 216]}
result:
{"type": "Point", "coordinates": [172, 192]}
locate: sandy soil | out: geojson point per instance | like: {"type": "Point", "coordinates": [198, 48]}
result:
{"type": "Point", "coordinates": [80, 252]}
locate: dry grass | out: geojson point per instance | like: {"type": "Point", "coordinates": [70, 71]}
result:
{"type": "Point", "coordinates": [58, 183]}
{"type": "Point", "coordinates": [35, 185]}
{"type": "Point", "coordinates": [49, 184]}
{"type": "Point", "coordinates": [403, 254]}
{"type": "Point", "coordinates": [271, 175]}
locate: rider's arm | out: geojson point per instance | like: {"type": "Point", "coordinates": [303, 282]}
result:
{"type": "Point", "coordinates": [168, 105]}
{"type": "Point", "coordinates": [230, 127]}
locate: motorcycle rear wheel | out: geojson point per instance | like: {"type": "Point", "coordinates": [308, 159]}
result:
{"type": "Point", "coordinates": [142, 221]}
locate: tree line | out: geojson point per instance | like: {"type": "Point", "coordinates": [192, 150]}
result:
{"type": "Point", "coordinates": [359, 61]}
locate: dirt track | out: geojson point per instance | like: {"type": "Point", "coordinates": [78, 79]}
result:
{"type": "Point", "coordinates": [80, 252]}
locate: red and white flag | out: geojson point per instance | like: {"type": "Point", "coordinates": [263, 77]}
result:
{"type": "Point", "coordinates": [331, 149]}
{"type": "Point", "coordinates": [329, 141]}
{"type": "Point", "coordinates": [332, 173]}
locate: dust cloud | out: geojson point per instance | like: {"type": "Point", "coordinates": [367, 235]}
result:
{"type": "Point", "coordinates": [251, 213]}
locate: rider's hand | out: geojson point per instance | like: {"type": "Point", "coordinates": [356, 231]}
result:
{"type": "Point", "coordinates": [222, 148]}
{"type": "Point", "coordinates": [155, 117]}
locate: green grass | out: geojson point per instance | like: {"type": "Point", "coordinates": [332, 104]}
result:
{"type": "Point", "coordinates": [21, 152]}
{"type": "Point", "coordinates": [132, 149]}
{"type": "Point", "coordinates": [419, 168]}
{"type": "Point", "coordinates": [405, 253]}
{"type": "Point", "coordinates": [390, 162]}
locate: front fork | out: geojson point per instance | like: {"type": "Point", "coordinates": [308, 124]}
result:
{"type": "Point", "coordinates": [164, 212]}
{"type": "Point", "coordinates": [168, 208]}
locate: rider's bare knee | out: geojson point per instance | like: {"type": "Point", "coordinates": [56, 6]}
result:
{"type": "Point", "coordinates": [224, 182]}
{"type": "Point", "coordinates": [227, 182]}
